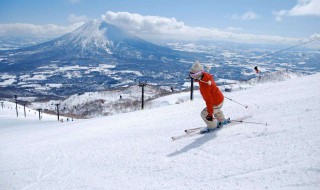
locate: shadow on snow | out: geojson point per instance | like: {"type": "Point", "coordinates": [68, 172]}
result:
{"type": "Point", "coordinates": [195, 144]}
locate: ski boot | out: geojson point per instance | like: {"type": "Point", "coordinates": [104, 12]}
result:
{"type": "Point", "coordinates": [207, 130]}
{"type": "Point", "coordinates": [225, 122]}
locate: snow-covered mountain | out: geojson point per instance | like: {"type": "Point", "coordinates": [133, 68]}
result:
{"type": "Point", "coordinates": [96, 56]}
{"type": "Point", "coordinates": [134, 150]}
{"type": "Point", "coordinates": [93, 43]}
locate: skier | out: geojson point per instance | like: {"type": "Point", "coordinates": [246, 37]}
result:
{"type": "Point", "coordinates": [256, 69]}
{"type": "Point", "coordinates": [211, 95]}
{"type": "Point", "coordinates": [258, 72]}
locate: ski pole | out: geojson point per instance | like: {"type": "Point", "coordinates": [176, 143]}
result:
{"type": "Point", "coordinates": [236, 102]}
{"type": "Point", "coordinates": [241, 121]}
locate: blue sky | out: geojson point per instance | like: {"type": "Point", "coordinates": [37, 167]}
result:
{"type": "Point", "coordinates": [245, 20]}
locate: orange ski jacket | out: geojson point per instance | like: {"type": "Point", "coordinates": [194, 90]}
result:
{"type": "Point", "coordinates": [210, 93]}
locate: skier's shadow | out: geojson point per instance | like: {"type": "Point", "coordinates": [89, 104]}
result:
{"type": "Point", "coordinates": [195, 144]}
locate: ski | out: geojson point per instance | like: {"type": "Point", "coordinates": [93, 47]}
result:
{"type": "Point", "coordinates": [197, 131]}
{"type": "Point", "coordinates": [192, 130]}
{"type": "Point", "coordinates": [186, 135]}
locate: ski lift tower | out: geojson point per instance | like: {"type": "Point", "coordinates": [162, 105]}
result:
{"type": "Point", "coordinates": [142, 85]}
{"type": "Point", "coordinates": [191, 87]}
{"type": "Point", "coordinates": [39, 110]}
{"type": "Point", "coordinates": [24, 109]}
{"type": "Point", "coordinates": [57, 105]}
{"type": "Point", "coordinates": [15, 98]}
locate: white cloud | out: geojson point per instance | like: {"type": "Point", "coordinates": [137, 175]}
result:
{"type": "Point", "coordinates": [302, 8]}
{"type": "Point", "coordinates": [234, 29]}
{"type": "Point", "coordinates": [147, 27]}
{"type": "Point", "coordinates": [314, 36]}
{"type": "Point", "coordinates": [143, 24]}
{"type": "Point", "coordinates": [32, 30]}
{"type": "Point", "coordinates": [48, 30]}
{"type": "Point", "coordinates": [250, 15]}
{"type": "Point", "coordinates": [155, 27]}
{"type": "Point", "coordinates": [280, 14]}
{"type": "Point", "coordinates": [72, 18]}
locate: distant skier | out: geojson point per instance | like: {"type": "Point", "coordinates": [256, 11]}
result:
{"type": "Point", "coordinates": [258, 72]}
{"type": "Point", "coordinates": [256, 69]}
{"type": "Point", "coordinates": [212, 96]}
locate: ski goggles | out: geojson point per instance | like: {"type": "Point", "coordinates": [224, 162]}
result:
{"type": "Point", "coordinates": [196, 75]}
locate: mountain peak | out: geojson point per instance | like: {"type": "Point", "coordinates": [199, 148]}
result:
{"type": "Point", "coordinates": [91, 34]}
{"type": "Point", "coordinates": [94, 43]}
{"type": "Point", "coordinates": [99, 35]}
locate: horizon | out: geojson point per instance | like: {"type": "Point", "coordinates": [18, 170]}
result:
{"type": "Point", "coordinates": [286, 22]}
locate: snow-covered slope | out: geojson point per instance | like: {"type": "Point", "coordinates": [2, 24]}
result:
{"type": "Point", "coordinates": [8, 112]}
{"type": "Point", "coordinates": [103, 103]}
{"type": "Point", "coordinates": [95, 104]}
{"type": "Point", "coordinates": [134, 150]}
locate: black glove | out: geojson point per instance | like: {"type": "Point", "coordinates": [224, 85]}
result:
{"type": "Point", "coordinates": [209, 117]}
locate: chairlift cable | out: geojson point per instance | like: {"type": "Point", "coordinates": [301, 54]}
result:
{"type": "Point", "coordinates": [288, 48]}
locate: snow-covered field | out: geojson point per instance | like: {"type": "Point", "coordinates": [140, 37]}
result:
{"type": "Point", "coordinates": [134, 150]}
